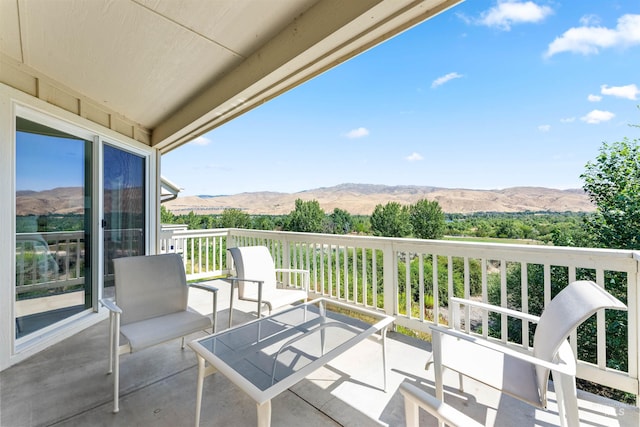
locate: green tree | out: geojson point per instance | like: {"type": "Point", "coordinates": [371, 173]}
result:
{"type": "Point", "coordinates": [166, 216]}
{"type": "Point", "coordinates": [391, 220]}
{"type": "Point", "coordinates": [612, 182]}
{"type": "Point", "coordinates": [193, 221]}
{"type": "Point", "coordinates": [427, 219]}
{"type": "Point", "coordinates": [341, 221]}
{"type": "Point", "coordinates": [361, 224]}
{"type": "Point", "coordinates": [263, 222]}
{"type": "Point", "coordinates": [235, 218]}
{"type": "Point", "coordinates": [307, 217]}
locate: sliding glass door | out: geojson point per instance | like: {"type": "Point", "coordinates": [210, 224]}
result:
{"type": "Point", "coordinates": [80, 203]}
{"type": "Point", "coordinates": [124, 208]}
{"type": "Point", "coordinates": [53, 226]}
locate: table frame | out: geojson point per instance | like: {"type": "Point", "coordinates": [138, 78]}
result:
{"type": "Point", "coordinates": [209, 363]}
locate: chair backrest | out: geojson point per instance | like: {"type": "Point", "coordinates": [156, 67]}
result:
{"type": "Point", "coordinates": [572, 306]}
{"type": "Point", "coordinates": [256, 263]}
{"type": "Point", "coordinates": [150, 286]}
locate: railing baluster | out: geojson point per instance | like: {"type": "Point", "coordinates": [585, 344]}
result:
{"type": "Point", "coordinates": [524, 295]}
{"type": "Point", "coordinates": [503, 301]}
{"type": "Point", "coordinates": [354, 268]}
{"type": "Point", "coordinates": [421, 305]}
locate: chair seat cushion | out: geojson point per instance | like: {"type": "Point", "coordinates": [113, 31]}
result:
{"type": "Point", "coordinates": [156, 330]}
{"type": "Point", "coordinates": [513, 376]}
{"type": "Point", "coordinates": [280, 297]}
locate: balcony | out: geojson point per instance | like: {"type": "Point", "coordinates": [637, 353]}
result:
{"type": "Point", "coordinates": [67, 385]}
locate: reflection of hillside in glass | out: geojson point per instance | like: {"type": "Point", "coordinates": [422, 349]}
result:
{"type": "Point", "coordinates": [61, 200]}
{"type": "Point", "coordinates": [53, 205]}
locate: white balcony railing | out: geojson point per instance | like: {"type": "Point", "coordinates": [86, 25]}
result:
{"type": "Point", "coordinates": [49, 260]}
{"type": "Point", "coordinates": [379, 273]}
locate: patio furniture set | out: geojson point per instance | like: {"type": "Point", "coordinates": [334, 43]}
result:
{"type": "Point", "coordinates": [270, 354]}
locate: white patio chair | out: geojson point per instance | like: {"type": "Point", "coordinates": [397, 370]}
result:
{"type": "Point", "coordinates": [256, 279]}
{"type": "Point", "coordinates": [416, 399]}
{"type": "Point", "coordinates": [150, 307]}
{"type": "Point", "coordinates": [525, 376]}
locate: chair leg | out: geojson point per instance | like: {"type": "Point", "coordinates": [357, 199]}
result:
{"type": "Point", "coordinates": [437, 368]}
{"type": "Point", "coordinates": [214, 313]}
{"type": "Point", "coordinates": [116, 364]}
{"type": "Point", "coordinates": [567, 397]}
{"type": "Point", "coordinates": [411, 412]}
{"type": "Point", "coordinates": [111, 343]}
{"type": "Point", "coordinates": [231, 304]}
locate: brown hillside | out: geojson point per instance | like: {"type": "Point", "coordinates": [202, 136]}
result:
{"type": "Point", "coordinates": [361, 199]}
{"type": "Point", "coordinates": [69, 200]}
{"type": "Point", "coordinates": [357, 199]}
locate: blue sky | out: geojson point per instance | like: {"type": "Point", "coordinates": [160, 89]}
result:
{"type": "Point", "coordinates": [487, 95]}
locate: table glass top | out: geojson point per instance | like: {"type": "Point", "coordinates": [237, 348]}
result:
{"type": "Point", "coordinates": [273, 348]}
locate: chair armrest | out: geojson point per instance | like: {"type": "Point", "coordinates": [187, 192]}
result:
{"type": "Point", "coordinates": [242, 279]}
{"type": "Point", "coordinates": [305, 274]}
{"type": "Point", "coordinates": [214, 311]}
{"type": "Point", "coordinates": [554, 367]}
{"type": "Point", "coordinates": [204, 287]}
{"type": "Point", "coordinates": [496, 309]}
{"type": "Point", "coordinates": [111, 305]}
{"type": "Point", "coordinates": [440, 410]}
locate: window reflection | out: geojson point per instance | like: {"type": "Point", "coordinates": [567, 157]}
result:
{"type": "Point", "coordinates": [53, 279]}
{"type": "Point", "coordinates": [124, 206]}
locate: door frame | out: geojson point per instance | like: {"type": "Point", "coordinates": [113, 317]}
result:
{"type": "Point", "coordinates": [16, 103]}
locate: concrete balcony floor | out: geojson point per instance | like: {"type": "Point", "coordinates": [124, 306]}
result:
{"type": "Point", "coordinates": [67, 385]}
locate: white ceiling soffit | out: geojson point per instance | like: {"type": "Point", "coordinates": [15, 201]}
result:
{"type": "Point", "coordinates": [182, 67]}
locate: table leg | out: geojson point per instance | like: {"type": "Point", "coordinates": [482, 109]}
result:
{"type": "Point", "coordinates": [203, 372]}
{"type": "Point", "coordinates": [199, 388]}
{"type": "Point", "coordinates": [264, 414]}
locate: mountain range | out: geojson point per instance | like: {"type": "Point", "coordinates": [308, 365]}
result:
{"type": "Point", "coordinates": [361, 199]}
{"type": "Point", "coordinates": [357, 199]}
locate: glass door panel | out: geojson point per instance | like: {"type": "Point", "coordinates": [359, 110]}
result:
{"type": "Point", "coordinates": [124, 208]}
{"type": "Point", "coordinates": [53, 226]}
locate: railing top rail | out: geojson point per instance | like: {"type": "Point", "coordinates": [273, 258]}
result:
{"type": "Point", "coordinates": [165, 233]}
{"type": "Point", "coordinates": [53, 235]}
{"type": "Point", "coordinates": [439, 246]}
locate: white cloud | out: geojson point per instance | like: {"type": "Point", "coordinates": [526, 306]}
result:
{"type": "Point", "coordinates": [628, 91]}
{"type": "Point", "coordinates": [544, 128]}
{"type": "Point", "coordinates": [414, 157]}
{"type": "Point", "coordinates": [590, 20]}
{"type": "Point", "coordinates": [568, 120]}
{"type": "Point", "coordinates": [589, 39]}
{"type": "Point", "coordinates": [201, 140]}
{"type": "Point", "coordinates": [507, 13]}
{"type": "Point", "coordinates": [597, 116]}
{"type": "Point", "coordinates": [442, 80]}
{"type": "Point", "coordinates": [357, 133]}
{"type": "Point", "coordinates": [594, 98]}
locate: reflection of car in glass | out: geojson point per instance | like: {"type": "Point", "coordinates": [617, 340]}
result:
{"type": "Point", "coordinates": [34, 261]}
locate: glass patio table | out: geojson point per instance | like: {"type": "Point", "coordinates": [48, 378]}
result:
{"type": "Point", "coordinates": [268, 355]}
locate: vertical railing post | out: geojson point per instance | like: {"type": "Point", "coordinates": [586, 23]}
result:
{"type": "Point", "coordinates": [231, 243]}
{"type": "Point", "coordinates": [389, 279]}
{"type": "Point", "coordinates": [286, 259]}
{"type": "Point", "coordinates": [633, 313]}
